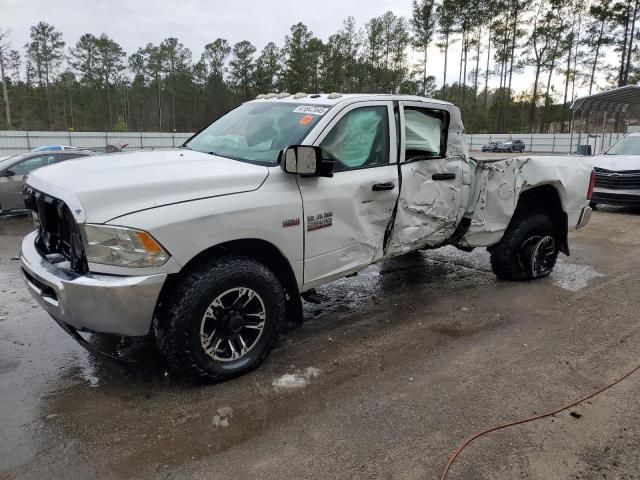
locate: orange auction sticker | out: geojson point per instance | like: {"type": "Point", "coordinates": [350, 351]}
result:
{"type": "Point", "coordinates": [306, 120]}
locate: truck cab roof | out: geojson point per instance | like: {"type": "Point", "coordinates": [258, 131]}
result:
{"type": "Point", "coordinates": [336, 98]}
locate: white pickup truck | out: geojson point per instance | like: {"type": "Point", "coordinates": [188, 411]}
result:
{"type": "Point", "coordinates": [210, 246]}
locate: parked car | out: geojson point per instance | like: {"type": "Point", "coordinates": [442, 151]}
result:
{"type": "Point", "coordinates": [13, 169]}
{"type": "Point", "coordinates": [490, 147]}
{"type": "Point", "coordinates": [53, 148]}
{"type": "Point", "coordinates": [209, 247]}
{"type": "Point", "coordinates": [510, 146]}
{"type": "Point", "coordinates": [618, 173]}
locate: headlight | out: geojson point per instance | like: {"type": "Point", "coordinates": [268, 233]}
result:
{"type": "Point", "coordinates": [124, 247]}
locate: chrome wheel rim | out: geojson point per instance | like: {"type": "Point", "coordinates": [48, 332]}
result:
{"type": "Point", "coordinates": [232, 324]}
{"type": "Point", "coordinates": [537, 255]}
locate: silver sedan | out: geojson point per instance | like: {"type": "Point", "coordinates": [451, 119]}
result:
{"type": "Point", "coordinates": [13, 170]}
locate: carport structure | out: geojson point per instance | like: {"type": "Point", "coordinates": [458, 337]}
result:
{"type": "Point", "coordinates": [614, 102]}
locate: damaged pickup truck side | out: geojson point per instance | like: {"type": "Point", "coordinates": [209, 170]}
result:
{"type": "Point", "coordinates": [210, 246]}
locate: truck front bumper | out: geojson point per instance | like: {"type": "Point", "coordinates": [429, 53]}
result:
{"type": "Point", "coordinates": [122, 305]}
{"type": "Point", "coordinates": [625, 198]}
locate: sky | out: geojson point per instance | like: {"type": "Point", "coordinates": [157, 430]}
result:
{"type": "Point", "coordinates": [134, 23]}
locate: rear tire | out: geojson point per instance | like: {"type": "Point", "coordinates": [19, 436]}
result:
{"type": "Point", "coordinates": [528, 250]}
{"type": "Point", "coordinates": [221, 320]}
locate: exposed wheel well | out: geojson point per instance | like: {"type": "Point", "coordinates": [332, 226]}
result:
{"type": "Point", "coordinates": [261, 251]}
{"type": "Point", "coordinates": [546, 198]}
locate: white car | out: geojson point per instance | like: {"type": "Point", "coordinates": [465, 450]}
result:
{"type": "Point", "coordinates": [210, 246]}
{"type": "Point", "coordinates": [618, 173]}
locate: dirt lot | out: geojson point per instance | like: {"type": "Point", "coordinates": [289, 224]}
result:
{"type": "Point", "coordinates": [412, 356]}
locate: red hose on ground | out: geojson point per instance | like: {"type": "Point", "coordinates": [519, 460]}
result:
{"type": "Point", "coordinates": [459, 450]}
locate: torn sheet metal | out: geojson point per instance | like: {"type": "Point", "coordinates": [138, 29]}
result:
{"type": "Point", "coordinates": [429, 210]}
{"type": "Point", "coordinates": [498, 186]}
{"type": "Point", "coordinates": [499, 183]}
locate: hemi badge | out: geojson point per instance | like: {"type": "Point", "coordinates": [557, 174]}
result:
{"type": "Point", "coordinates": [290, 222]}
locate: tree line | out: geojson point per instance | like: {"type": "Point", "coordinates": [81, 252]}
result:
{"type": "Point", "coordinates": [93, 84]}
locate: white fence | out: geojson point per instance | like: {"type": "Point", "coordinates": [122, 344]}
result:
{"type": "Point", "coordinates": [546, 143]}
{"type": "Point", "coordinates": [12, 142]}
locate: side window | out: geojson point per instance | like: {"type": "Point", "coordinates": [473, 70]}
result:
{"type": "Point", "coordinates": [425, 133]}
{"type": "Point", "coordinates": [360, 139]}
{"type": "Point", "coordinates": [69, 156]}
{"type": "Point", "coordinates": [32, 163]}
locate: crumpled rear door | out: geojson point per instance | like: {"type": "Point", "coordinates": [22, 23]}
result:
{"type": "Point", "coordinates": [435, 177]}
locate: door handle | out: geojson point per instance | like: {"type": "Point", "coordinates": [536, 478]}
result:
{"type": "Point", "coordinates": [443, 176]}
{"type": "Point", "coordinates": [377, 187]}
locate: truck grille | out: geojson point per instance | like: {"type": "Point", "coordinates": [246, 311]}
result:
{"type": "Point", "coordinates": [58, 232]}
{"type": "Point", "coordinates": [620, 180]}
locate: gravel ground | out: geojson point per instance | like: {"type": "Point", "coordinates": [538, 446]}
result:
{"type": "Point", "coordinates": [383, 380]}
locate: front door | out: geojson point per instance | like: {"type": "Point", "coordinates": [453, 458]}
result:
{"type": "Point", "coordinates": [435, 177]}
{"type": "Point", "coordinates": [345, 217]}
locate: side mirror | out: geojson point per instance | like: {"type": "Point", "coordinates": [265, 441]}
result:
{"type": "Point", "coordinates": [7, 173]}
{"type": "Point", "coordinates": [305, 160]}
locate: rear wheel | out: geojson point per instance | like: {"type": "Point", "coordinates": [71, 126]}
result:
{"type": "Point", "coordinates": [528, 250]}
{"type": "Point", "coordinates": [222, 319]}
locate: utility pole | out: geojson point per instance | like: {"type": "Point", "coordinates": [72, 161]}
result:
{"type": "Point", "coordinates": [5, 90]}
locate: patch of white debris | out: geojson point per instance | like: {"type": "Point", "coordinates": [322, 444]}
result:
{"type": "Point", "coordinates": [478, 259]}
{"type": "Point", "coordinates": [88, 370]}
{"type": "Point", "coordinates": [221, 419]}
{"type": "Point", "coordinates": [573, 277]}
{"type": "Point", "coordinates": [292, 381]}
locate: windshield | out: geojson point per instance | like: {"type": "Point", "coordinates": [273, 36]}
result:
{"type": "Point", "coordinates": [257, 132]}
{"type": "Point", "coordinates": [625, 146]}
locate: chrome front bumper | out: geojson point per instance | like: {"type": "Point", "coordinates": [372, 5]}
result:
{"type": "Point", "coordinates": [619, 197]}
{"type": "Point", "coordinates": [122, 305]}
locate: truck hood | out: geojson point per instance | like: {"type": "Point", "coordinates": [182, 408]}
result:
{"type": "Point", "coordinates": [617, 162]}
{"type": "Point", "coordinates": [101, 188]}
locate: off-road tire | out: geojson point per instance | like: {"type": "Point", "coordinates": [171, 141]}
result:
{"type": "Point", "coordinates": [177, 321]}
{"type": "Point", "coordinates": [505, 260]}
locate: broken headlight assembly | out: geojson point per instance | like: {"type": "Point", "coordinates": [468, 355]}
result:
{"type": "Point", "coordinates": [123, 247]}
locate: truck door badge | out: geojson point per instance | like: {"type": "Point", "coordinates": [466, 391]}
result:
{"type": "Point", "coordinates": [319, 221]}
{"type": "Point", "coordinates": [290, 222]}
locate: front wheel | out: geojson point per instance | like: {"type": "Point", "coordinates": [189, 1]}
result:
{"type": "Point", "coordinates": [222, 319]}
{"type": "Point", "coordinates": [528, 250]}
